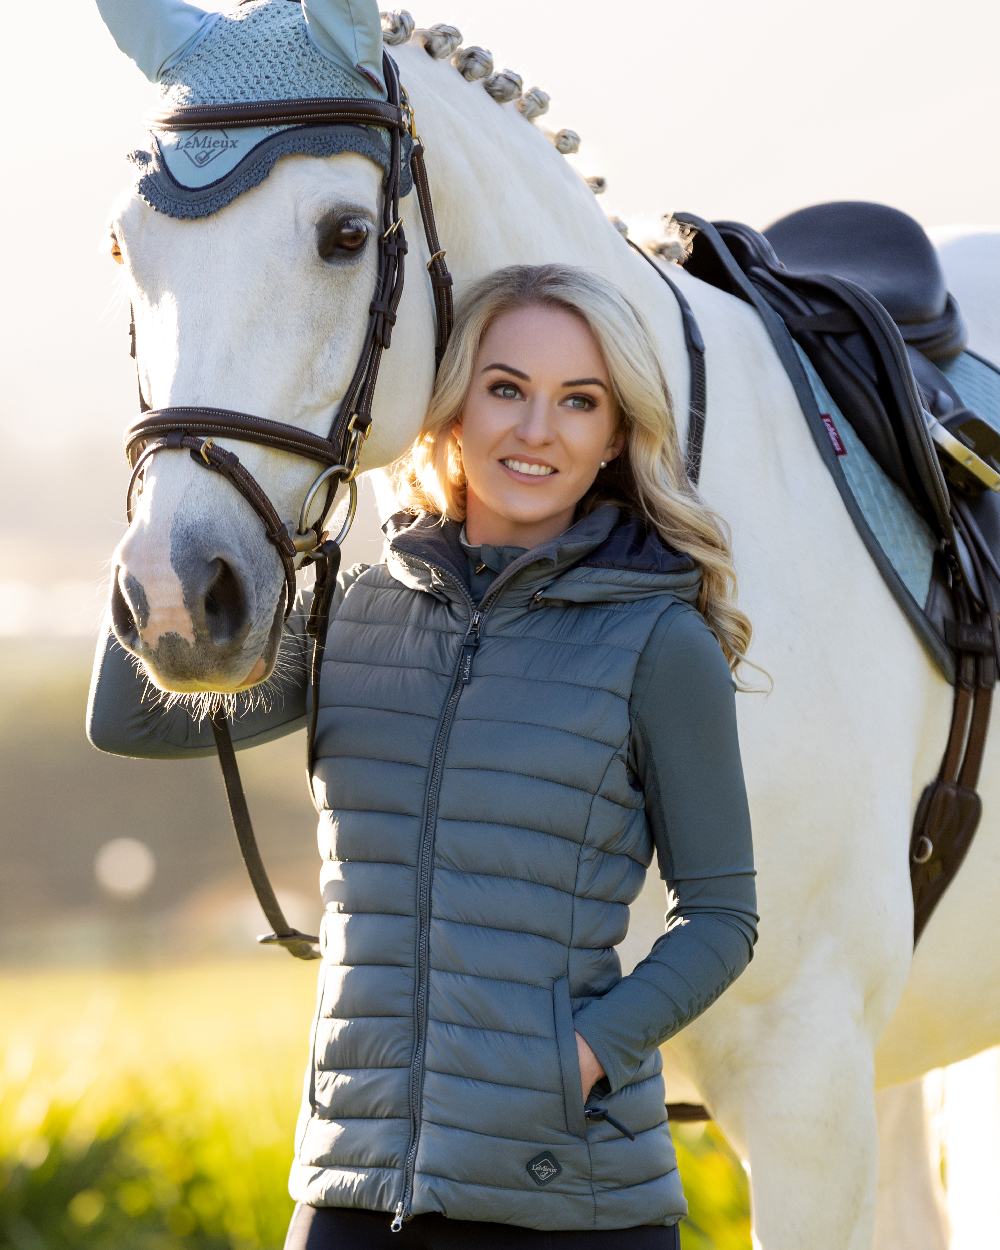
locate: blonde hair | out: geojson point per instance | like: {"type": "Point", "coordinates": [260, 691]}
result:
{"type": "Point", "coordinates": [648, 478]}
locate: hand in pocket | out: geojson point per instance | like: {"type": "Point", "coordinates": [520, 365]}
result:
{"type": "Point", "coordinates": [590, 1066]}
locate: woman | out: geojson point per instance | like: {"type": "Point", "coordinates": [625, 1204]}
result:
{"type": "Point", "coordinates": [528, 698]}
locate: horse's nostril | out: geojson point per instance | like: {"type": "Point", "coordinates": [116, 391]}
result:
{"type": "Point", "coordinates": [124, 614]}
{"type": "Point", "coordinates": [225, 604]}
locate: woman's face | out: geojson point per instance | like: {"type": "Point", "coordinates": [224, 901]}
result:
{"type": "Point", "coordinates": [538, 420]}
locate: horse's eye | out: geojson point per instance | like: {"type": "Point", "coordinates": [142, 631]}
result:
{"type": "Point", "coordinates": [116, 251]}
{"type": "Point", "coordinates": [342, 237]}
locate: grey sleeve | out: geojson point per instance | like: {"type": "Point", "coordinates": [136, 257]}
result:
{"type": "Point", "coordinates": [687, 758]}
{"type": "Point", "coordinates": [126, 714]}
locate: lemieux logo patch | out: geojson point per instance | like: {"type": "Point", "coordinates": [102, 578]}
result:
{"type": "Point", "coordinates": [202, 147]}
{"type": "Point", "coordinates": [543, 1168]}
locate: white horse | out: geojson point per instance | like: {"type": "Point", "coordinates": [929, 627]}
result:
{"type": "Point", "coordinates": [233, 311]}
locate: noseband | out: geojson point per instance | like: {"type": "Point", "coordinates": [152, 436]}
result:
{"type": "Point", "coordinates": [195, 428]}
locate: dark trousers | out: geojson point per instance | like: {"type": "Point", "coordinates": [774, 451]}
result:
{"type": "Point", "coordinates": [343, 1228]}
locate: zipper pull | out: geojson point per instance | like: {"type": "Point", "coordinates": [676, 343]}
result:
{"type": "Point", "coordinates": [397, 1223]}
{"type": "Point", "coordinates": [470, 644]}
{"type": "Point", "coordinates": [600, 1113]}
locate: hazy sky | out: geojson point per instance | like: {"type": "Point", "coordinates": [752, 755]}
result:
{"type": "Point", "coordinates": [732, 109]}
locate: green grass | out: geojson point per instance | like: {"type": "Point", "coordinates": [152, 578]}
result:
{"type": "Point", "coordinates": [154, 1109]}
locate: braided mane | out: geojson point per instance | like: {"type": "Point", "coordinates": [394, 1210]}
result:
{"type": "Point", "coordinates": [475, 64]}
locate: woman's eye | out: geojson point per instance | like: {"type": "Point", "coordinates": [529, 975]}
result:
{"type": "Point", "coordinates": [342, 238]}
{"type": "Point", "coordinates": [583, 403]}
{"type": "Point", "coordinates": [505, 390]}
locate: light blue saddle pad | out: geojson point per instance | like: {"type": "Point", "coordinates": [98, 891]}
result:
{"type": "Point", "coordinates": [903, 536]}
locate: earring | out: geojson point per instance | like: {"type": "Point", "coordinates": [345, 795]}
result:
{"type": "Point", "coordinates": [604, 464]}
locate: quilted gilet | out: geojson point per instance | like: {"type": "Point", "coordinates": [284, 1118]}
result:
{"type": "Point", "coordinates": [482, 835]}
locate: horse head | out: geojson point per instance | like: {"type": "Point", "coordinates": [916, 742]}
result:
{"type": "Point", "coordinates": [250, 257]}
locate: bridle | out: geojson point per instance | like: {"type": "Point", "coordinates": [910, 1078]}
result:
{"type": "Point", "coordinates": [195, 428]}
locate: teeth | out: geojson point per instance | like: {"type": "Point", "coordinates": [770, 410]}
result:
{"type": "Point", "coordinates": [537, 470]}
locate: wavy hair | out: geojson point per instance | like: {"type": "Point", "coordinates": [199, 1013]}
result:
{"type": "Point", "coordinates": [648, 478]}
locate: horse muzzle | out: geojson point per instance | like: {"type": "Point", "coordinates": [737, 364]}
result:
{"type": "Point", "coordinates": [197, 624]}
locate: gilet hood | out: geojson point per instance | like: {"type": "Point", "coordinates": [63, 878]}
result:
{"type": "Point", "coordinates": [610, 554]}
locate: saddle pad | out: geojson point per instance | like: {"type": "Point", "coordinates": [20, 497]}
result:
{"type": "Point", "coordinates": [904, 537]}
{"type": "Point", "coordinates": [978, 383]}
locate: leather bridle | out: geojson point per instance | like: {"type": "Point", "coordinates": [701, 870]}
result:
{"type": "Point", "coordinates": [195, 428]}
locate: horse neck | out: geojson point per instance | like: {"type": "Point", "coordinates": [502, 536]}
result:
{"type": "Point", "coordinates": [503, 195]}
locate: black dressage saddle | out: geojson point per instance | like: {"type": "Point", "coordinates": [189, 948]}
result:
{"type": "Point", "coordinates": [858, 288]}
{"type": "Point", "coordinates": [887, 253]}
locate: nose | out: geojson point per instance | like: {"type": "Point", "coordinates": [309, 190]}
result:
{"type": "Point", "coordinates": [129, 609]}
{"type": "Point", "coordinates": [215, 600]}
{"type": "Point", "coordinates": [535, 427]}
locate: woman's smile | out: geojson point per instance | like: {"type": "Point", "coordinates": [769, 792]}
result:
{"type": "Point", "coordinates": [530, 472]}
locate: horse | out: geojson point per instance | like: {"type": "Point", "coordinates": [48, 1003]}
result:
{"type": "Point", "coordinates": [233, 310]}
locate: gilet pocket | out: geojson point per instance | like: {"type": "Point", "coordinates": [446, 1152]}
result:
{"type": "Point", "coordinates": [569, 1063]}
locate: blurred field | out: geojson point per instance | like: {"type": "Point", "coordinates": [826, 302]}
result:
{"type": "Point", "coordinates": [153, 1109]}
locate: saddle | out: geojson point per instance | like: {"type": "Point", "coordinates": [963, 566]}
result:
{"type": "Point", "coordinates": [854, 299]}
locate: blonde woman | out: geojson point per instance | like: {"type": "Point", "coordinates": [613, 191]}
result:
{"type": "Point", "coordinates": [523, 704]}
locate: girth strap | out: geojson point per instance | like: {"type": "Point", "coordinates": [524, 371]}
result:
{"type": "Point", "coordinates": [950, 807]}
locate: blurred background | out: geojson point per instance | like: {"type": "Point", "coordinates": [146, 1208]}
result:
{"type": "Point", "coordinates": [135, 1108]}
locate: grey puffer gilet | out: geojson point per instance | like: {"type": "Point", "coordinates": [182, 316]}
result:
{"type": "Point", "coordinates": [482, 837]}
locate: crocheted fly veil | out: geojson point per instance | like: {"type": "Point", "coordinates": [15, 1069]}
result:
{"type": "Point", "coordinates": [258, 50]}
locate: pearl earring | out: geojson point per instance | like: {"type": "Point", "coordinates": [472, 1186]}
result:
{"type": "Point", "coordinates": [604, 464]}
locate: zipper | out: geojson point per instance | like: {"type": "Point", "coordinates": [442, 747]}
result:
{"type": "Point", "coordinates": [470, 644]}
{"type": "Point", "coordinates": [460, 679]}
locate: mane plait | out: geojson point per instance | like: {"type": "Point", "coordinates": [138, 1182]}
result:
{"type": "Point", "coordinates": [439, 40]}
{"type": "Point", "coordinates": [397, 27]}
{"type": "Point", "coordinates": [504, 86]}
{"type": "Point", "coordinates": [533, 103]}
{"type": "Point", "coordinates": [475, 64]}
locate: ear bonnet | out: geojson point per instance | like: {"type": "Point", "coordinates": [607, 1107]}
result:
{"type": "Point", "coordinates": [260, 50]}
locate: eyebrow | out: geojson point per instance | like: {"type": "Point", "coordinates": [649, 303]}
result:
{"type": "Point", "coordinates": [507, 369]}
{"type": "Point", "coordinates": [519, 374]}
{"type": "Point", "coordinates": [586, 382]}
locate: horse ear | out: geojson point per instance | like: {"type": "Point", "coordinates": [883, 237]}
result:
{"type": "Point", "coordinates": [349, 33]}
{"type": "Point", "coordinates": [156, 34]}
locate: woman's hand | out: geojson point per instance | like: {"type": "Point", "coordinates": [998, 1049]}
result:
{"type": "Point", "coordinates": [590, 1066]}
